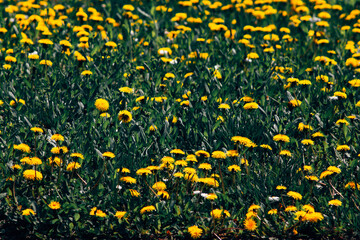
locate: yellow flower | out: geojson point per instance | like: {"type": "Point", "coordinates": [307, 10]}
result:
{"type": "Point", "coordinates": [290, 209]}
{"type": "Point", "coordinates": [73, 165]}
{"type": "Point", "coordinates": [100, 213]}
{"type": "Point", "coordinates": [355, 83]}
{"type": "Point", "coordinates": [54, 205]}
{"type": "Point", "coordinates": [335, 202]}
{"type": "Point", "coordinates": [334, 169]}
{"type": "Point", "coordinates": [59, 150]}
{"type": "Point", "coordinates": [159, 186]}
{"type": "Point", "coordinates": [27, 212]}
{"type": "Point", "coordinates": [195, 231]}
{"type": "Point", "coordinates": [167, 160]}
{"type": "Point", "coordinates": [281, 138]}
{"type": "Point", "coordinates": [164, 194]}
{"type": "Point", "coordinates": [313, 217]}
{"type": "Point", "coordinates": [285, 153]}
{"type": "Point", "coordinates": [294, 103]}
{"type": "Point", "coordinates": [340, 95]}
{"type": "Point", "coordinates": [147, 209]}
{"type": "Point", "coordinates": [120, 214]}
{"type": "Point", "coordinates": [134, 193]}
{"type": "Point", "coordinates": [218, 155]}
{"type": "Point", "coordinates": [125, 116]}
{"type": "Point", "coordinates": [211, 196]}
{"type": "Point", "coordinates": [205, 166]}
{"type": "Point", "coordinates": [343, 148]}
{"type": "Point", "coordinates": [32, 175]}
{"type": "Point", "coordinates": [22, 147]}
{"type": "Point", "coordinates": [234, 168]}
{"type": "Point", "coordinates": [202, 153]}
{"type": "Point", "coordinates": [281, 187]}
{"type": "Point", "coordinates": [36, 130]}
{"type": "Point", "coordinates": [55, 160]}
{"type": "Point", "coordinates": [250, 224]}
{"type": "Point", "coordinates": [86, 73]}
{"type": "Point", "coordinates": [307, 142]}
{"type": "Point", "coordinates": [272, 212]}
{"type": "Point", "coordinates": [46, 62]}
{"type": "Point", "coordinates": [57, 137]}
{"type": "Point", "coordinates": [101, 105]}
{"type": "Point", "coordinates": [178, 151]}
{"type": "Point", "coordinates": [34, 161]}
{"type": "Point", "coordinates": [143, 171]}
{"type": "Point", "coordinates": [251, 105]}
{"type": "Point", "coordinates": [126, 90]}
{"type": "Point", "coordinates": [294, 195]}
{"type": "Point", "coordinates": [46, 41]}
{"type": "Point", "coordinates": [219, 213]}
{"type": "Point", "coordinates": [79, 155]}
{"type": "Point", "coordinates": [128, 179]}
{"type": "Point", "coordinates": [224, 106]}
{"type": "Point", "coordinates": [108, 154]}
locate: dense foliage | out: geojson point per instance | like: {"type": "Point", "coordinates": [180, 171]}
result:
{"type": "Point", "coordinates": [179, 119]}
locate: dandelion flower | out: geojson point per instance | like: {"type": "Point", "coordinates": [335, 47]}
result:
{"type": "Point", "coordinates": [101, 105]}
{"type": "Point", "coordinates": [124, 116]}
{"type": "Point", "coordinates": [32, 175]}
{"type": "Point", "coordinates": [195, 231]}
{"type": "Point", "coordinates": [54, 205]}
{"type": "Point", "coordinates": [335, 202]}
{"type": "Point", "coordinates": [57, 137]}
{"type": "Point", "coordinates": [120, 214]}
{"type": "Point", "coordinates": [281, 138]}
{"type": "Point", "coordinates": [294, 195]}
{"type": "Point", "coordinates": [250, 224]}
{"type": "Point", "coordinates": [108, 154]}
{"type": "Point", "coordinates": [27, 212]}
{"type": "Point", "coordinates": [219, 213]}
{"type": "Point", "coordinates": [73, 165]}
{"type": "Point", "coordinates": [147, 209]}
{"type": "Point", "coordinates": [218, 155]}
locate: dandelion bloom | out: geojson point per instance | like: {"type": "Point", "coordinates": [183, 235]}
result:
{"type": "Point", "coordinates": [32, 175]}
{"type": "Point", "coordinates": [281, 138]}
{"type": "Point", "coordinates": [46, 62]}
{"type": "Point", "coordinates": [202, 153]}
{"type": "Point", "coordinates": [211, 196]}
{"type": "Point", "coordinates": [159, 186]}
{"type": "Point", "coordinates": [335, 202]}
{"type": "Point", "coordinates": [164, 194]}
{"type": "Point", "coordinates": [108, 154]}
{"type": "Point", "coordinates": [126, 90]}
{"type": "Point", "coordinates": [86, 73]}
{"type": "Point", "coordinates": [290, 209]}
{"type": "Point", "coordinates": [22, 147]}
{"type": "Point", "coordinates": [79, 155]}
{"type": "Point", "coordinates": [285, 153]}
{"type": "Point", "coordinates": [124, 116]}
{"type": "Point", "coordinates": [294, 103]}
{"type": "Point", "coordinates": [27, 212]}
{"type": "Point", "coordinates": [120, 214]}
{"type": "Point", "coordinates": [36, 130]}
{"type": "Point", "coordinates": [205, 166]}
{"type": "Point", "coordinates": [178, 151]}
{"type": "Point", "coordinates": [147, 209]}
{"type": "Point", "coordinates": [251, 105]}
{"type": "Point", "coordinates": [280, 187]}
{"type": "Point", "coordinates": [218, 155]}
{"type": "Point", "coordinates": [334, 169]}
{"type": "Point", "coordinates": [272, 212]}
{"type": "Point", "coordinates": [57, 137]}
{"type": "Point", "coordinates": [195, 231]}
{"type": "Point", "coordinates": [250, 224]}
{"type": "Point", "coordinates": [234, 168]}
{"type": "Point", "coordinates": [167, 160]}
{"type": "Point", "coordinates": [59, 150]}
{"type": "Point", "coordinates": [343, 148]}
{"type": "Point", "coordinates": [307, 142]}
{"type": "Point", "coordinates": [100, 213]}
{"type": "Point", "coordinates": [294, 195]}
{"type": "Point", "coordinates": [143, 171]}
{"type": "Point", "coordinates": [54, 205]}
{"type": "Point", "coordinates": [219, 213]}
{"type": "Point", "coordinates": [101, 105]}
{"type": "Point", "coordinates": [313, 217]}
{"type": "Point", "coordinates": [73, 165]}
{"type": "Point", "coordinates": [128, 179]}
{"type": "Point", "coordinates": [134, 193]}
{"type": "Point", "coordinates": [34, 161]}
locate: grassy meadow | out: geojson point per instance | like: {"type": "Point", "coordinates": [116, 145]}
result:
{"type": "Point", "coordinates": [194, 119]}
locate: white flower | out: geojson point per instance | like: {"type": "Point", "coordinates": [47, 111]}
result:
{"type": "Point", "coordinates": [274, 199]}
{"type": "Point", "coordinates": [119, 187]}
{"type": "Point", "coordinates": [204, 195]}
